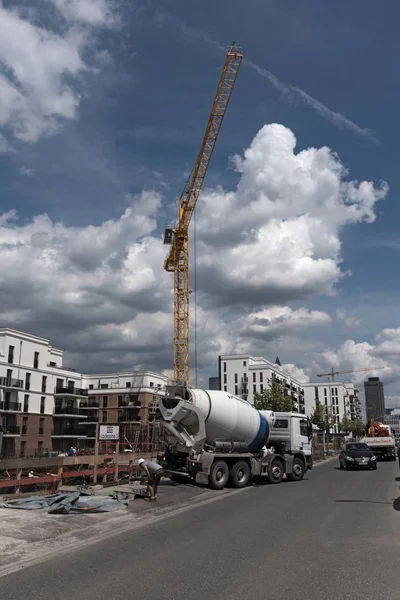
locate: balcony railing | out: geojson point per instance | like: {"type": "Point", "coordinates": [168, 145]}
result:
{"type": "Point", "coordinates": [9, 382]}
{"type": "Point", "coordinates": [69, 432]}
{"type": "Point", "coordinates": [10, 429]}
{"type": "Point", "coordinates": [6, 405]}
{"type": "Point", "coordinates": [89, 404]}
{"type": "Point", "coordinates": [71, 391]}
{"type": "Point", "coordinates": [66, 410]}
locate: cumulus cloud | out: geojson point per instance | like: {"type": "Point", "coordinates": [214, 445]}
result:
{"type": "Point", "coordinates": [281, 320]}
{"type": "Point", "coordinates": [101, 293]}
{"type": "Point", "coordinates": [40, 67]}
{"type": "Point", "coordinates": [278, 233]}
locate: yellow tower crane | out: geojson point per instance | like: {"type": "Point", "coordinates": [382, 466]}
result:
{"type": "Point", "coordinates": [177, 260]}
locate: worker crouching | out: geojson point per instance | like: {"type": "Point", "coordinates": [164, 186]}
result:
{"type": "Point", "coordinates": [154, 472]}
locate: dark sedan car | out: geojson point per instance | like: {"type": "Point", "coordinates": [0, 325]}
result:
{"type": "Point", "coordinates": [357, 455]}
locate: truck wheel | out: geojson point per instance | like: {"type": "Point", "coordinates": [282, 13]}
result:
{"type": "Point", "coordinates": [240, 474]}
{"type": "Point", "coordinates": [275, 472]}
{"type": "Point", "coordinates": [219, 475]}
{"type": "Point", "coordinates": [298, 470]}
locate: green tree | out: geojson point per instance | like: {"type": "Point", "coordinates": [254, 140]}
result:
{"type": "Point", "coordinates": [357, 427]}
{"type": "Point", "coordinates": [345, 425]}
{"type": "Point", "coordinates": [273, 398]}
{"type": "Point", "coordinates": [322, 416]}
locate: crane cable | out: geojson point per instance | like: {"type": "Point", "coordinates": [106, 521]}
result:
{"type": "Point", "coordinates": [195, 295]}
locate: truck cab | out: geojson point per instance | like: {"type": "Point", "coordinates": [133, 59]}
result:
{"type": "Point", "coordinates": [291, 434]}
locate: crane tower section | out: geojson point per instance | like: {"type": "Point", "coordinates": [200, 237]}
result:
{"type": "Point", "coordinates": [177, 261]}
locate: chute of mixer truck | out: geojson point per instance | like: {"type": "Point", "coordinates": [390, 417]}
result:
{"type": "Point", "coordinates": [218, 439]}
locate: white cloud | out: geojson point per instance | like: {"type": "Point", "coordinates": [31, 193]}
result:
{"type": "Point", "coordinates": [281, 320]}
{"type": "Point", "coordinates": [101, 292]}
{"type": "Point", "coordinates": [278, 233]}
{"type": "Point", "coordinates": [297, 373]}
{"type": "Point", "coordinates": [392, 401]}
{"type": "Point", "coordinates": [349, 320]}
{"type": "Point", "coordinates": [39, 68]}
{"type": "Point", "coordinates": [26, 172]}
{"type": "Point", "coordinates": [91, 12]}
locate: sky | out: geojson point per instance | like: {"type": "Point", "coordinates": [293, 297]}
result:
{"type": "Point", "coordinates": [103, 106]}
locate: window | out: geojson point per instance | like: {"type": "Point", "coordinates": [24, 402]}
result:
{"type": "Point", "coordinates": [236, 377]}
{"type": "Point", "coordinates": [28, 381]}
{"type": "Point", "coordinates": [59, 383]}
{"type": "Point", "coordinates": [9, 376]}
{"type": "Point", "coordinates": [335, 391]}
{"type": "Point", "coordinates": [104, 416]}
{"type": "Point", "coordinates": [42, 404]}
{"type": "Point", "coordinates": [44, 384]}
{"type": "Point", "coordinates": [40, 448]}
{"type": "Point", "coordinates": [41, 426]}
{"type": "Point", "coordinates": [36, 360]}
{"type": "Point", "coordinates": [236, 390]}
{"type": "Point", "coordinates": [128, 384]}
{"type": "Point", "coordinates": [316, 392]}
{"type": "Point", "coordinates": [225, 388]}
{"type": "Point", "coordinates": [281, 424]}
{"type": "Point", "coordinates": [52, 364]}
{"type": "Point", "coordinates": [261, 388]}
{"type": "Point", "coordinates": [261, 376]}
{"type": "Point", "coordinates": [22, 449]}
{"type": "Point", "coordinates": [91, 386]}
{"type": "Point", "coordinates": [225, 381]}
{"type": "Point", "coordinates": [224, 367]}
{"type": "Point", "coordinates": [105, 401]}
{"type": "Point", "coordinates": [24, 425]}
{"type": "Point", "coordinates": [244, 363]}
{"type": "Point", "coordinates": [304, 429]}
{"type": "Point", "coordinates": [11, 354]}
{"type": "Point", "coordinates": [151, 384]}
{"type": "Point", "coordinates": [325, 392]}
{"type": "Point", "coordinates": [254, 377]}
{"type": "Point", "coordinates": [26, 403]}
{"type": "Point", "coordinates": [104, 386]}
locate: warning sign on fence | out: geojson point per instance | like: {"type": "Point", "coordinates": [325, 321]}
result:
{"type": "Point", "coordinates": [109, 432]}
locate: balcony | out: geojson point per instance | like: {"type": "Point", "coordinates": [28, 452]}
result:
{"type": "Point", "coordinates": [11, 430]}
{"type": "Point", "coordinates": [69, 391]}
{"type": "Point", "coordinates": [89, 404]}
{"type": "Point", "coordinates": [10, 383]}
{"type": "Point", "coordinates": [10, 406]}
{"type": "Point", "coordinates": [67, 411]}
{"type": "Point", "coordinates": [69, 432]}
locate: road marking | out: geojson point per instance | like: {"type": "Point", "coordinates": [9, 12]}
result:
{"type": "Point", "coordinates": [76, 544]}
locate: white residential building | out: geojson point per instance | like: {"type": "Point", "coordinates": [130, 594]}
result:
{"type": "Point", "coordinates": [393, 420]}
{"type": "Point", "coordinates": [341, 397]}
{"type": "Point", "coordinates": [46, 407]}
{"type": "Point", "coordinates": [244, 375]}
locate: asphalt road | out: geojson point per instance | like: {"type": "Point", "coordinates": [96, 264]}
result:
{"type": "Point", "coordinates": [335, 535]}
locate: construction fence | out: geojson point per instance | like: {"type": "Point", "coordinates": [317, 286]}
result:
{"type": "Point", "coordinates": [325, 445]}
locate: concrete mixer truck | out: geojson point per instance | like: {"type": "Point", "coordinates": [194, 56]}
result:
{"type": "Point", "coordinates": [218, 439]}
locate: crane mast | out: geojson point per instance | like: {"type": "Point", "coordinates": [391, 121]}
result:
{"type": "Point", "coordinates": [177, 260]}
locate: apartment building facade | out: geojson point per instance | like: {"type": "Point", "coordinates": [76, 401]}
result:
{"type": "Point", "coordinates": [46, 407]}
{"type": "Point", "coordinates": [244, 375]}
{"type": "Point", "coordinates": [342, 398]}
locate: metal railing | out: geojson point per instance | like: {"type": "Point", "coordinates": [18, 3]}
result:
{"type": "Point", "coordinates": [10, 429]}
{"type": "Point", "coordinates": [8, 405]}
{"type": "Point", "coordinates": [72, 391]}
{"type": "Point", "coordinates": [66, 410]}
{"type": "Point", "coordinates": [10, 382]}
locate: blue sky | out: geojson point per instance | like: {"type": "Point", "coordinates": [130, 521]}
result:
{"type": "Point", "coordinates": [141, 105]}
